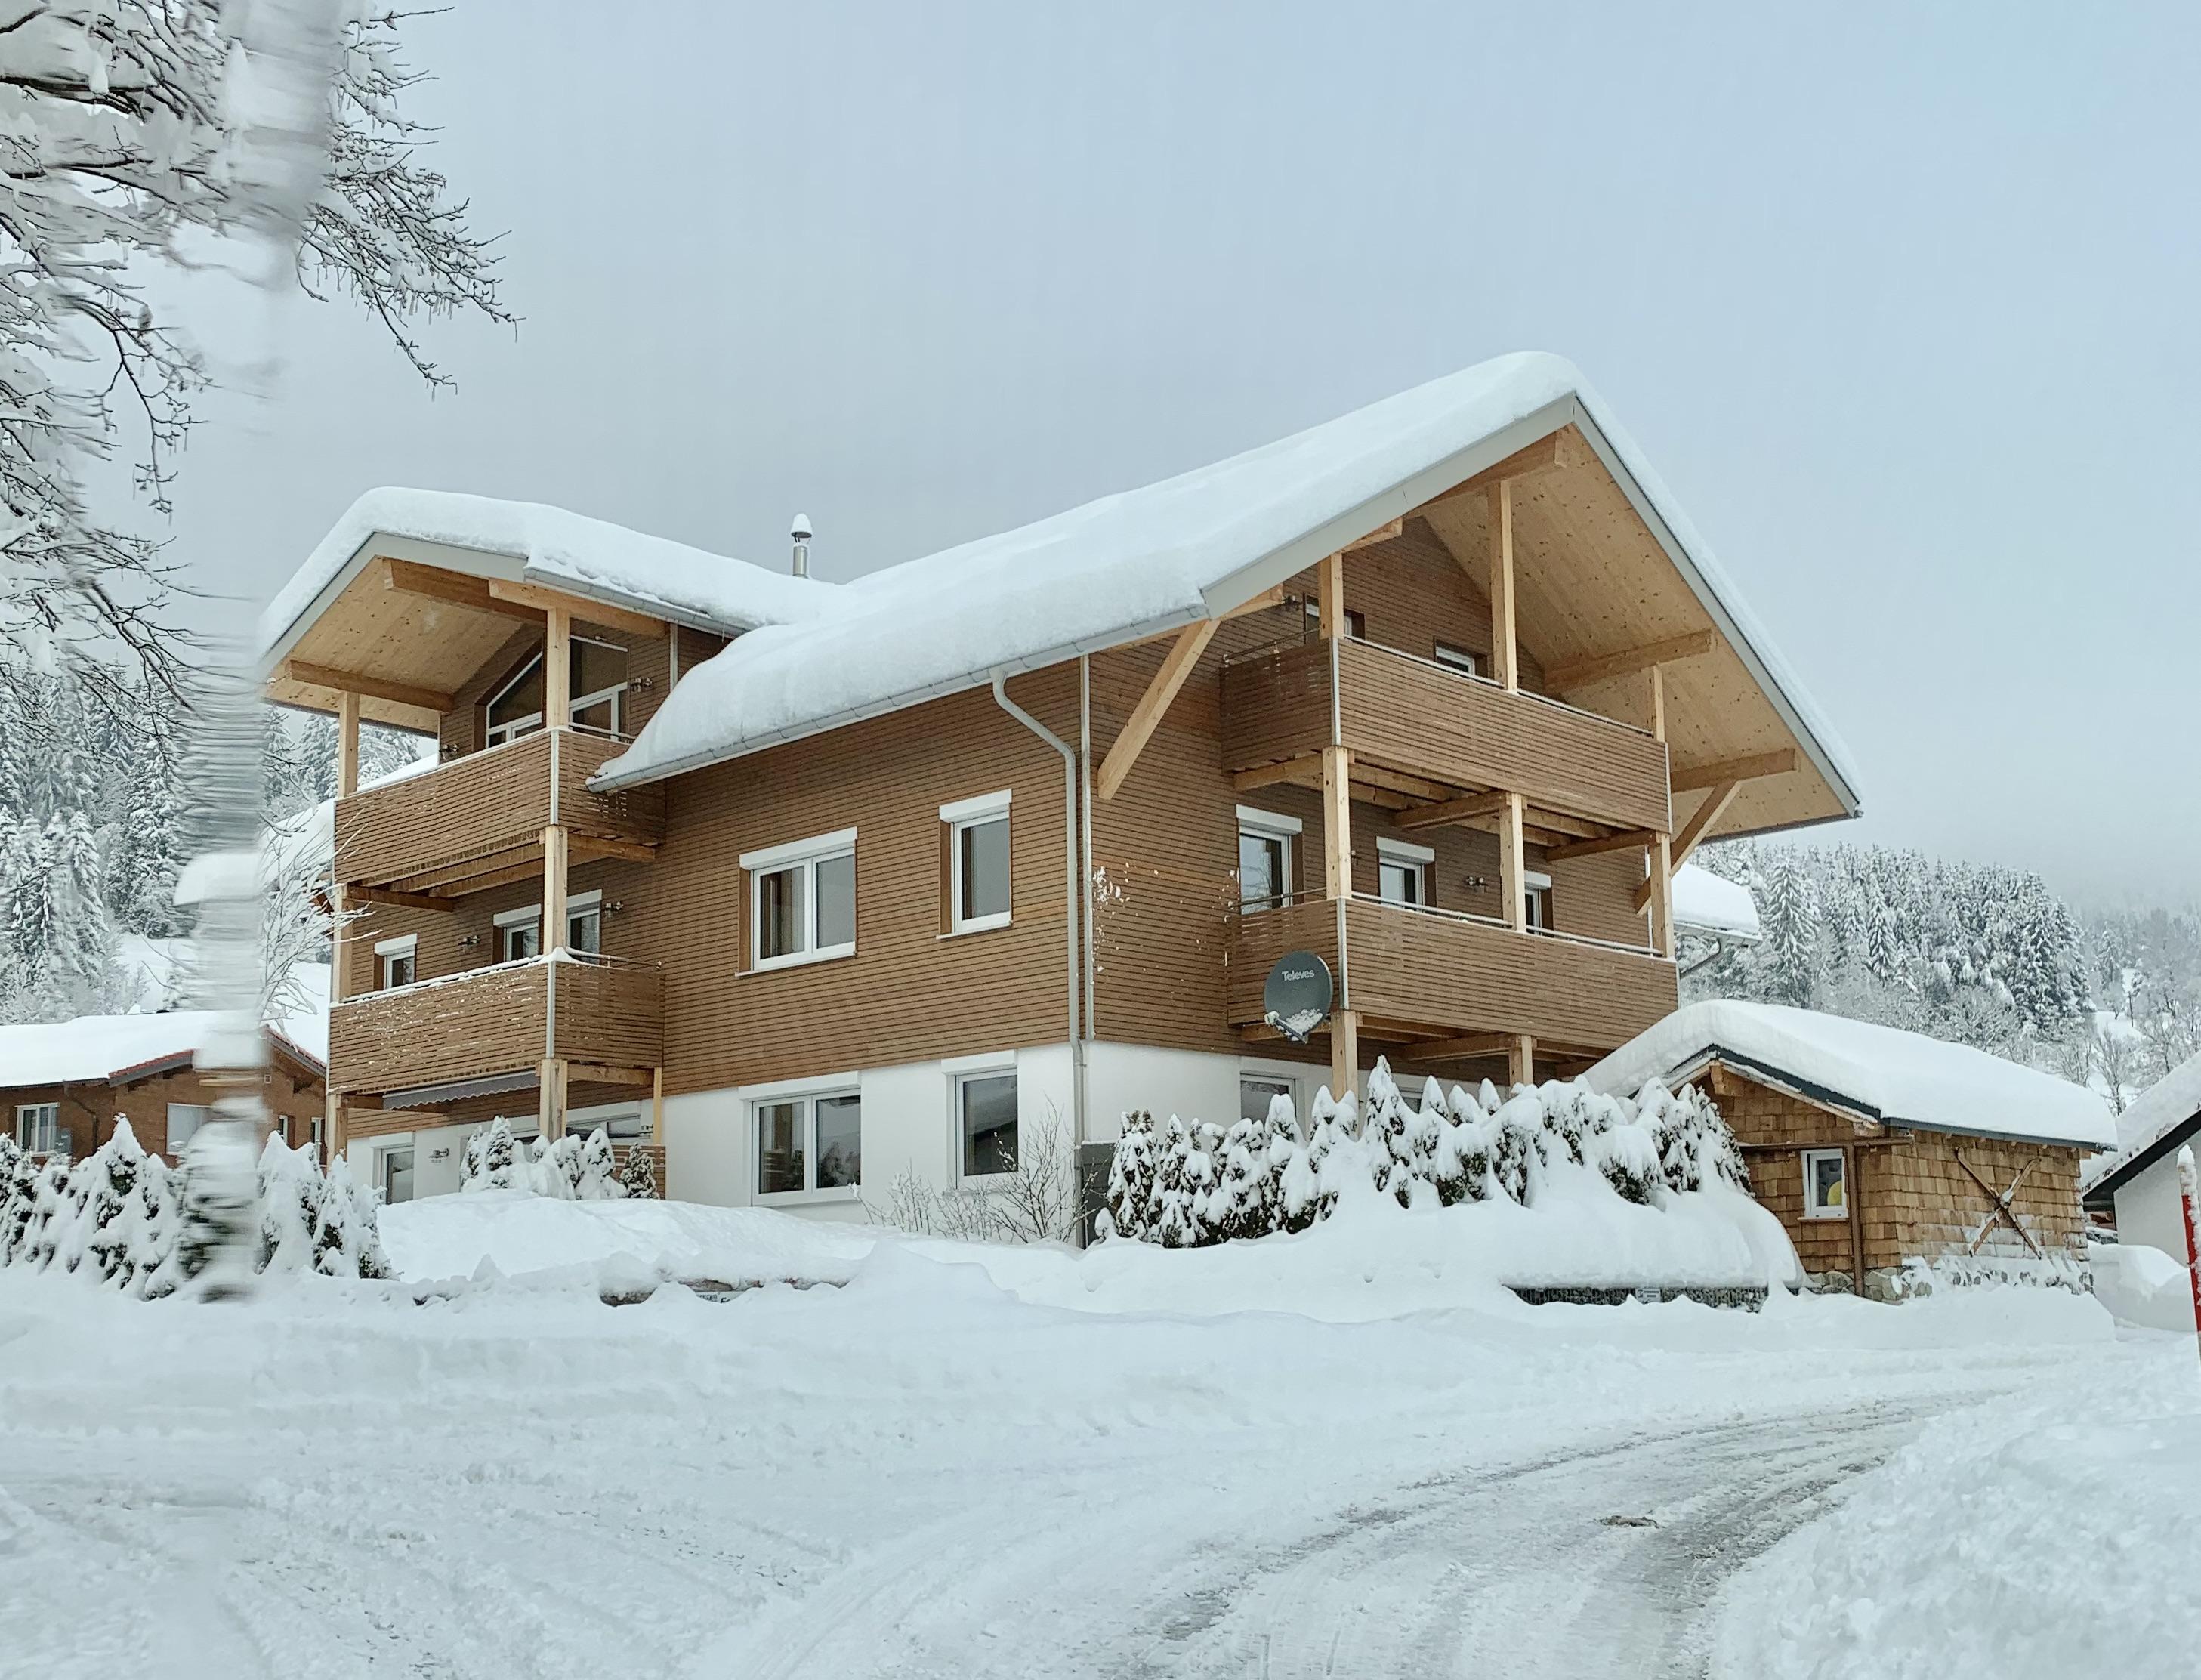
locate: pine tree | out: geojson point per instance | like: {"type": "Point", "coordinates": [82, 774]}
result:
{"type": "Point", "coordinates": [599, 1176]}
{"type": "Point", "coordinates": [1791, 918]}
{"type": "Point", "coordinates": [638, 1173]}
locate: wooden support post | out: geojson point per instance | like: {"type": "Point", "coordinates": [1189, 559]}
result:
{"type": "Point", "coordinates": [1520, 1060]}
{"type": "Point", "coordinates": [557, 668]}
{"type": "Point", "coordinates": [550, 1098]}
{"type": "Point", "coordinates": [1512, 865]}
{"type": "Point", "coordinates": [1504, 656]}
{"type": "Point", "coordinates": [1857, 1220]}
{"type": "Point", "coordinates": [554, 869]}
{"type": "Point", "coordinates": [347, 744]}
{"type": "Point", "coordinates": [657, 1106]}
{"type": "Point", "coordinates": [1660, 854]}
{"type": "Point", "coordinates": [1337, 822]}
{"type": "Point", "coordinates": [1329, 593]}
{"type": "Point", "coordinates": [333, 1129]}
{"type": "Point", "coordinates": [1344, 1053]}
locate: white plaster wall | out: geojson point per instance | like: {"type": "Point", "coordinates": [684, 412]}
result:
{"type": "Point", "coordinates": [706, 1150]}
{"type": "Point", "coordinates": [2148, 1210]}
{"type": "Point", "coordinates": [1192, 1084]}
{"type": "Point", "coordinates": [430, 1177]}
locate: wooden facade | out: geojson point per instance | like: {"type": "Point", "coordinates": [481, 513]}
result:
{"type": "Point", "coordinates": [1912, 1195]}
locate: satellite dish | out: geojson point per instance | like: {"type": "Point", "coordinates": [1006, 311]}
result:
{"type": "Point", "coordinates": [1296, 999]}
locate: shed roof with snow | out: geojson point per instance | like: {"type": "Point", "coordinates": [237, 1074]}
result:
{"type": "Point", "coordinates": [1870, 1071]}
{"type": "Point", "coordinates": [2163, 1117]}
{"type": "Point", "coordinates": [116, 1049]}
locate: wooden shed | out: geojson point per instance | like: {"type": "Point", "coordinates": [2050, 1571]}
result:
{"type": "Point", "coordinates": [1878, 1149]}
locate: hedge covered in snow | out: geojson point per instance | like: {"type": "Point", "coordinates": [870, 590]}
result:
{"type": "Point", "coordinates": [126, 1218]}
{"type": "Point", "coordinates": [570, 1168]}
{"type": "Point", "coordinates": [1185, 1186]}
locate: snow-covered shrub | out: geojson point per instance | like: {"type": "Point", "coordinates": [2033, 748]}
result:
{"type": "Point", "coordinates": [1522, 1144]}
{"type": "Point", "coordinates": [1460, 1162]}
{"type": "Point", "coordinates": [19, 1177]}
{"type": "Point", "coordinates": [493, 1159]}
{"type": "Point", "coordinates": [598, 1179]}
{"type": "Point", "coordinates": [1185, 1179]}
{"type": "Point", "coordinates": [1696, 1146]}
{"type": "Point", "coordinates": [1128, 1211]}
{"type": "Point", "coordinates": [637, 1174]}
{"type": "Point", "coordinates": [568, 1168]}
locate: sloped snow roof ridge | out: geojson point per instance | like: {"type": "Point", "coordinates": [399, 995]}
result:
{"type": "Point", "coordinates": [1136, 562]}
{"type": "Point", "coordinates": [2155, 1113]}
{"type": "Point", "coordinates": [94, 1047]}
{"type": "Point", "coordinates": [569, 550]}
{"type": "Point", "coordinates": [1904, 1079]}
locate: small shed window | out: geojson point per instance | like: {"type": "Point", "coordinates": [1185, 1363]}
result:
{"type": "Point", "coordinates": [1825, 1185]}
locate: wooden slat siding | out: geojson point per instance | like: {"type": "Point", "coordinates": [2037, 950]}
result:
{"type": "Point", "coordinates": [1276, 705]}
{"type": "Point", "coordinates": [1259, 939]}
{"type": "Point", "coordinates": [1471, 978]}
{"type": "Point", "coordinates": [488, 1023]}
{"type": "Point", "coordinates": [488, 803]}
{"type": "Point", "coordinates": [610, 1013]}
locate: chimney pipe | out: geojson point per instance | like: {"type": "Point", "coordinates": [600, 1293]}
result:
{"type": "Point", "coordinates": [799, 530]}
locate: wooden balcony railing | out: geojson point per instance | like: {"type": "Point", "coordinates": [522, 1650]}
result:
{"type": "Point", "coordinates": [1414, 715]}
{"type": "Point", "coordinates": [500, 1019]}
{"type": "Point", "coordinates": [464, 818]}
{"type": "Point", "coordinates": [1459, 974]}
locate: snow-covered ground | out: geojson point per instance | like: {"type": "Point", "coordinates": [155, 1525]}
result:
{"type": "Point", "coordinates": [937, 1468]}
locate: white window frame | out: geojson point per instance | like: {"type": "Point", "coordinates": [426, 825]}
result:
{"type": "Point", "coordinates": [806, 855]}
{"type": "Point", "coordinates": [1289, 1079]}
{"type": "Point", "coordinates": [805, 1095]}
{"type": "Point", "coordinates": [496, 734]}
{"type": "Point", "coordinates": [1453, 657]}
{"type": "Point", "coordinates": [975, 812]}
{"type": "Point", "coordinates": [615, 693]}
{"type": "Point", "coordinates": [1404, 853]}
{"type": "Point", "coordinates": [382, 1169]}
{"type": "Point", "coordinates": [1533, 883]}
{"type": "Point", "coordinates": [406, 945]}
{"type": "Point", "coordinates": [26, 1137]}
{"type": "Point", "coordinates": [961, 1070]}
{"type": "Point", "coordinates": [579, 904]}
{"type": "Point", "coordinates": [1274, 825]}
{"type": "Point", "coordinates": [1812, 1210]}
{"type": "Point", "coordinates": [172, 1145]}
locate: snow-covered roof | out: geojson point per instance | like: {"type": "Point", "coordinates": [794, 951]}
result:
{"type": "Point", "coordinates": [1878, 1072]}
{"type": "Point", "coordinates": [564, 550]}
{"type": "Point", "coordinates": [95, 1047]}
{"type": "Point", "coordinates": [2155, 1115]}
{"type": "Point", "coordinates": [1709, 903]}
{"type": "Point", "coordinates": [1149, 560]}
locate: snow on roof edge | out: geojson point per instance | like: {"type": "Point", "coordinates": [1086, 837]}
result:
{"type": "Point", "coordinates": [2155, 1115]}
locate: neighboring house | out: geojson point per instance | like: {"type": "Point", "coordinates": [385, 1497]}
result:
{"type": "Point", "coordinates": [2139, 1184]}
{"type": "Point", "coordinates": [939, 871]}
{"type": "Point", "coordinates": [1876, 1147]}
{"type": "Point", "coordinates": [64, 1083]}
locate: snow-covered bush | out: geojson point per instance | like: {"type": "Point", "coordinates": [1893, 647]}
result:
{"type": "Point", "coordinates": [1181, 1185]}
{"type": "Point", "coordinates": [125, 1219]}
{"type": "Point", "coordinates": [571, 1168]}
{"type": "Point", "coordinates": [638, 1173]}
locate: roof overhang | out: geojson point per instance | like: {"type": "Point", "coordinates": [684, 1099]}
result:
{"type": "Point", "coordinates": [1839, 1102]}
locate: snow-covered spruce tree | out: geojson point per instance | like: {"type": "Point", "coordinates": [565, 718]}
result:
{"type": "Point", "coordinates": [494, 1160]}
{"type": "Point", "coordinates": [15, 1194]}
{"type": "Point", "coordinates": [290, 1192]}
{"type": "Point", "coordinates": [139, 130]}
{"type": "Point", "coordinates": [1521, 1144]}
{"type": "Point", "coordinates": [107, 1231]}
{"type": "Point", "coordinates": [1791, 916]}
{"type": "Point", "coordinates": [154, 1233]}
{"type": "Point", "coordinates": [599, 1175]}
{"type": "Point", "coordinates": [218, 1212]}
{"type": "Point", "coordinates": [1401, 1141]}
{"type": "Point", "coordinates": [1461, 1163]}
{"type": "Point", "coordinates": [1132, 1173]}
{"type": "Point", "coordinates": [51, 1207]}
{"type": "Point", "coordinates": [347, 1241]}
{"type": "Point", "coordinates": [1184, 1177]}
{"type": "Point", "coordinates": [1246, 1196]}
{"type": "Point", "coordinates": [1696, 1146]}
{"type": "Point", "coordinates": [637, 1174]}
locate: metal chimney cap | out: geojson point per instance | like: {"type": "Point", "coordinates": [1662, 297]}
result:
{"type": "Point", "coordinates": [799, 530]}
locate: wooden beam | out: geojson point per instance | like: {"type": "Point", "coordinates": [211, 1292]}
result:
{"type": "Point", "coordinates": [499, 869]}
{"type": "Point", "coordinates": [1581, 672]}
{"type": "Point", "coordinates": [1686, 841]}
{"type": "Point", "coordinates": [1660, 895]}
{"type": "Point", "coordinates": [1381, 534]}
{"type": "Point", "coordinates": [1512, 886]}
{"type": "Point", "coordinates": [1344, 1053]}
{"type": "Point", "coordinates": [346, 743]}
{"type": "Point", "coordinates": [1560, 449]}
{"type": "Point", "coordinates": [1284, 770]}
{"type": "Point", "coordinates": [1520, 1060]}
{"type": "Point", "coordinates": [354, 684]}
{"type": "Point", "coordinates": [586, 848]}
{"type": "Point", "coordinates": [1504, 650]}
{"type": "Point", "coordinates": [1750, 768]}
{"type": "Point", "coordinates": [596, 1073]}
{"type": "Point", "coordinates": [657, 1108]}
{"type": "Point", "coordinates": [1147, 716]}
{"type": "Point", "coordinates": [457, 589]}
{"type": "Point", "coordinates": [1260, 603]}
{"type": "Point", "coordinates": [1633, 840]}
{"type": "Point", "coordinates": [535, 598]}
{"type": "Point", "coordinates": [1464, 1046]}
{"type": "Point", "coordinates": [557, 668]}
{"type": "Point", "coordinates": [403, 901]}
{"type": "Point", "coordinates": [1449, 810]}
{"type": "Point", "coordinates": [1330, 589]}
{"type": "Point", "coordinates": [550, 1098]}
{"type": "Point", "coordinates": [1337, 822]}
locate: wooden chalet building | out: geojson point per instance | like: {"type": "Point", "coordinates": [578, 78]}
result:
{"type": "Point", "coordinates": [823, 885]}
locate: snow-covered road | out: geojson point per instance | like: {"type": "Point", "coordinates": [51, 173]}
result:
{"type": "Point", "coordinates": [920, 1474]}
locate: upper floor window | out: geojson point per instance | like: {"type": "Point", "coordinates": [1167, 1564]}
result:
{"type": "Point", "coordinates": [37, 1127]}
{"type": "Point", "coordinates": [1266, 841]}
{"type": "Point", "coordinates": [1536, 893]}
{"type": "Point", "coordinates": [597, 684]}
{"type": "Point", "coordinates": [1402, 871]}
{"type": "Point", "coordinates": [397, 961]}
{"type": "Point", "coordinates": [978, 861]}
{"type": "Point", "coordinates": [1459, 658]}
{"type": "Point", "coordinates": [802, 900]}
{"type": "Point", "coordinates": [516, 709]}
{"type": "Point", "coordinates": [1356, 621]}
{"type": "Point", "coordinates": [520, 931]}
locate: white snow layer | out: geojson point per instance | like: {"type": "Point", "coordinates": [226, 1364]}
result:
{"type": "Point", "coordinates": [1709, 903]}
{"type": "Point", "coordinates": [569, 550]}
{"type": "Point", "coordinates": [2156, 1111]}
{"type": "Point", "coordinates": [92, 1048]}
{"type": "Point", "coordinates": [1903, 1078]}
{"type": "Point", "coordinates": [1138, 562]}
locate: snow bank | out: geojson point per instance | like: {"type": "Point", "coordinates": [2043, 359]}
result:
{"type": "Point", "coordinates": [2031, 1540]}
{"type": "Point", "coordinates": [1902, 1078]}
{"type": "Point", "coordinates": [2142, 1286]}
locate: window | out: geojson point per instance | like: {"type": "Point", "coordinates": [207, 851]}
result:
{"type": "Point", "coordinates": [184, 1118]}
{"type": "Point", "coordinates": [1356, 621]}
{"type": "Point", "coordinates": [1402, 872]}
{"type": "Point", "coordinates": [1459, 658]}
{"type": "Point", "coordinates": [393, 1170]}
{"type": "Point", "coordinates": [397, 960]}
{"type": "Point", "coordinates": [39, 1127]}
{"type": "Point", "coordinates": [314, 1135]}
{"type": "Point", "coordinates": [1825, 1185]}
{"type": "Point", "coordinates": [1536, 894]}
{"type": "Point", "coordinates": [807, 1144]}
{"type": "Point", "coordinates": [1266, 841]}
{"type": "Point", "coordinates": [978, 862]}
{"type": "Point", "coordinates": [1256, 1091]}
{"type": "Point", "coordinates": [516, 709]}
{"type": "Point", "coordinates": [802, 901]}
{"type": "Point", "coordinates": [520, 932]}
{"type": "Point", "coordinates": [986, 1111]}
{"type": "Point", "coordinates": [597, 683]}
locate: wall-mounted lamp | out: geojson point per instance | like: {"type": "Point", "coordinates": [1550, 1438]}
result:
{"type": "Point", "coordinates": [614, 906]}
{"type": "Point", "coordinates": [450, 750]}
{"type": "Point", "coordinates": [468, 941]}
{"type": "Point", "coordinates": [642, 682]}
{"type": "Point", "coordinates": [1477, 884]}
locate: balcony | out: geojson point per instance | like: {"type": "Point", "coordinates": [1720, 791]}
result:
{"type": "Point", "coordinates": [589, 1010]}
{"type": "Point", "coordinates": [478, 819]}
{"type": "Point", "coordinates": [1442, 974]}
{"type": "Point", "coordinates": [1414, 716]}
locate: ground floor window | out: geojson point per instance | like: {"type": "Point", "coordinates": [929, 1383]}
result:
{"type": "Point", "coordinates": [986, 1114]}
{"type": "Point", "coordinates": [1825, 1185]}
{"type": "Point", "coordinates": [394, 1170]}
{"type": "Point", "coordinates": [184, 1118]}
{"type": "Point", "coordinates": [1256, 1091]}
{"type": "Point", "coordinates": [38, 1126]}
{"type": "Point", "coordinates": [809, 1144]}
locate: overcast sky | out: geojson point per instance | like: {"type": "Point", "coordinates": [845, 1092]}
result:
{"type": "Point", "coordinates": [1902, 305]}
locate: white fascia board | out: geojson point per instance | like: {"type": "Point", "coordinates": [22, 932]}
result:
{"type": "Point", "coordinates": [978, 805]}
{"type": "Point", "coordinates": [1272, 822]}
{"type": "Point", "coordinates": [403, 945]}
{"type": "Point", "coordinates": [799, 851]}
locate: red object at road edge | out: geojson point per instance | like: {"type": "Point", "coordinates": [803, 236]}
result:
{"type": "Point", "coordinates": [2187, 1196]}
